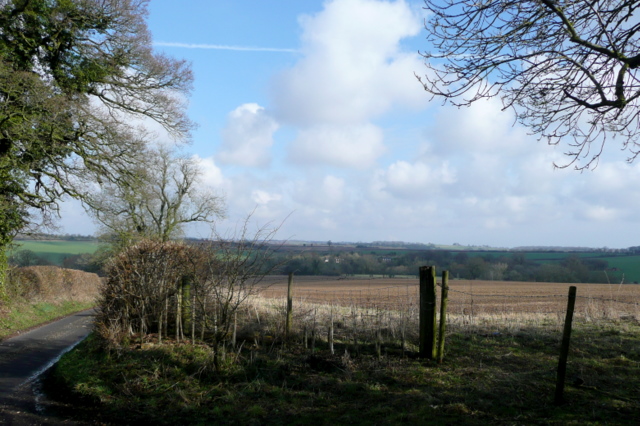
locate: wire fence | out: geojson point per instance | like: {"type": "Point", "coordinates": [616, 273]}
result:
{"type": "Point", "coordinates": [370, 310]}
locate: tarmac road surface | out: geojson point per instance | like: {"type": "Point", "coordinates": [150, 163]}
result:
{"type": "Point", "coordinates": [26, 356]}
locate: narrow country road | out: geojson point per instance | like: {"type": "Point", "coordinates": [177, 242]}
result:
{"type": "Point", "coordinates": [24, 357]}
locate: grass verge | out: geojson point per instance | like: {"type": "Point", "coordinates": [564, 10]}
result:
{"type": "Point", "coordinates": [502, 377]}
{"type": "Point", "coordinates": [22, 314]}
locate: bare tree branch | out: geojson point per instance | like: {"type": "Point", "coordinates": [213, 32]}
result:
{"type": "Point", "coordinates": [569, 70]}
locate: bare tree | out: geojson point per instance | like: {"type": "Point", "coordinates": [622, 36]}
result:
{"type": "Point", "coordinates": [234, 268]}
{"type": "Point", "coordinates": [155, 199]}
{"type": "Point", "coordinates": [569, 69]}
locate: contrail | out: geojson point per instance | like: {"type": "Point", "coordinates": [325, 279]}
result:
{"type": "Point", "coordinates": [223, 47]}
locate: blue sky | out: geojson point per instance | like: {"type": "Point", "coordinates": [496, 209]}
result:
{"type": "Point", "coordinates": [311, 111]}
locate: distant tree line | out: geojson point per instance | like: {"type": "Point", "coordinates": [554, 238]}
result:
{"type": "Point", "coordinates": [461, 265]}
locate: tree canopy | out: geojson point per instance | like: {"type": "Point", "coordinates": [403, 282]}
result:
{"type": "Point", "coordinates": [77, 80]}
{"type": "Point", "coordinates": [568, 69]}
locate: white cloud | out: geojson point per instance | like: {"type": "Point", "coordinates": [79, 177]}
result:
{"type": "Point", "coordinates": [490, 154]}
{"type": "Point", "coordinates": [261, 197]}
{"type": "Point", "coordinates": [211, 175]}
{"type": "Point", "coordinates": [247, 137]}
{"type": "Point", "coordinates": [356, 146]}
{"type": "Point", "coordinates": [333, 190]}
{"type": "Point", "coordinates": [353, 68]}
{"type": "Point", "coordinates": [481, 128]}
{"type": "Point", "coordinates": [409, 180]}
{"type": "Point", "coordinates": [601, 213]}
{"type": "Point", "coordinates": [322, 194]}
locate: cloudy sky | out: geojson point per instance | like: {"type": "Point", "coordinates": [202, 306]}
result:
{"type": "Point", "coordinates": [311, 111]}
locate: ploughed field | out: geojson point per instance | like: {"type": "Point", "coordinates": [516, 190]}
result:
{"type": "Point", "coordinates": [466, 297]}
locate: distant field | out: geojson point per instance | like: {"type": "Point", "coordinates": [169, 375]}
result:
{"type": "Point", "coordinates": [627, 265]}
{"type": "Point", "coordinates": [480, 297]}
{"type": "Point", "coordinates": [537, 256]}
{"type": "Point", "coordinates": [56, 251]}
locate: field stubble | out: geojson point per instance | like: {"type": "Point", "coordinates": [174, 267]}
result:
{"type": "Point", "coordinates": [471, 303]}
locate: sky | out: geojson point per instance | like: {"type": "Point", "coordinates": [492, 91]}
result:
{"type": "Point", "coordinates": [310, 117]}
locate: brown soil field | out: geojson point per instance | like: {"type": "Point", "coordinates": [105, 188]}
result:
{"type": "Point", "coordinates": [466, 297]}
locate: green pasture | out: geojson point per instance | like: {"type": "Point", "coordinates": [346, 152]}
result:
{"type": "Point", "coordinates": [629, 265]}
{"type": "Point", "coordinates": [55, 251]}
{"type": "Point", "coordinates": [534, 256]}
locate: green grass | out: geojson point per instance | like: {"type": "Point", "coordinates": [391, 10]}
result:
{"type": "Point", "coordinates": [503, 378]}
{"type": "Point", "coordinates": [630, 265]}
{"type": "Point", "coordinates": [551, 257]}
{"type": "Point", "coordinates": [23, 314]}
{"type": "Point", "coordinates": [56, 251]}
{"type": "Point", "coordinates": [627, 264]}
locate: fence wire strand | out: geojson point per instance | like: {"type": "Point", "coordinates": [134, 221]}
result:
{"type": "Point", "coordinates": [354, 300]}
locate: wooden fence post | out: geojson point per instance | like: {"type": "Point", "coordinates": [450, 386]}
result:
{"type": "Point", "coordinates": [313, 331]}
{"type": "Point", "coordinates": [444, 298]}
{"type": "Point", "coordinates": [287, 331]}
{"type": "Point", "coordinates": [330, 332]}
{"type": "Point", "coordinates": [564, 349]}
{"type": "Point", "coordinates": [428, 312]}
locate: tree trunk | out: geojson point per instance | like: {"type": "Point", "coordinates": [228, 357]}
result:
{"type": "Point", "coordinates": [186, 303]}
{"type": "Point", "coordinates": [160, 320]}
{"type": "Point", "coordinates": [193, 319]}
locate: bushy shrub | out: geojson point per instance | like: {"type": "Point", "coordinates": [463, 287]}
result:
{"type": "Point", "coordinates": [142, 283]}
{"type": "Point", "coordinates": [192, 291]}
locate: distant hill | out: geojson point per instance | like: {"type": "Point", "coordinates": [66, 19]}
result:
{"type": "Point", "coordinates": [55, 251]}
{"type": "Point", "coordinates": [54, 237]}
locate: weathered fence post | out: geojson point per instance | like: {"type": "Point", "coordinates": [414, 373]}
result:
{"type": "Point", "coordinates": [403, 339]}
{"type": "Point", "coordinates": [330, 332]}
{"type": "Point", "coordinates": [313, 331]}
{"type": "Point", "coordinates": [287, 328]}
{"type": "Point", "coordinates": [354, 312]}
{"type": "Point", "coordinates": [428, 312]}
{"type": "Point", "coordinates": [444, 298]}
{"type": "Point", "coordinates": [564, 349]}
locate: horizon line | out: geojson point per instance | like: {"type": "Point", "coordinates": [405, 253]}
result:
{"type": "Point", "coordinates": [223, 47]}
